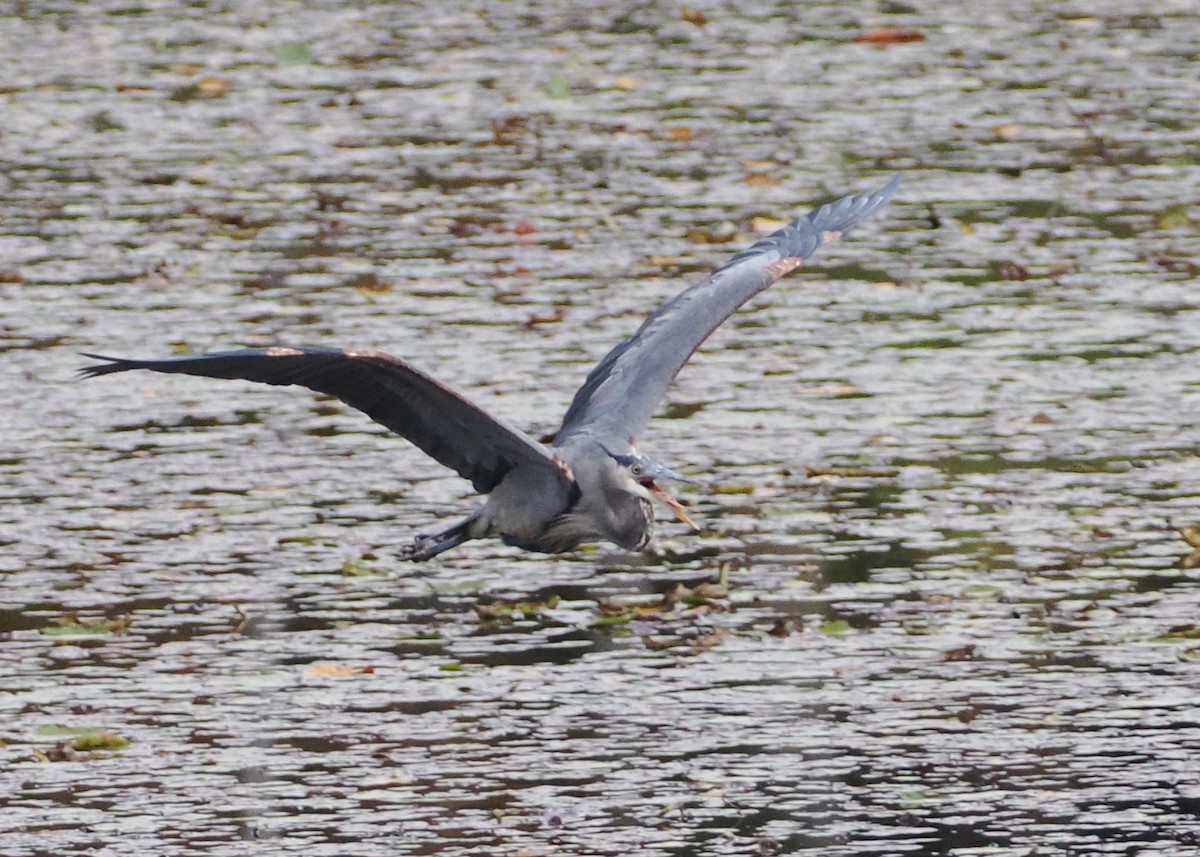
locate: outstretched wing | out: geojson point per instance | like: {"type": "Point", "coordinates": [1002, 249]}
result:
{"type": "Point", "coordinates": [438, 420]}
{"type": "Point", "coordinates": [621, 394]}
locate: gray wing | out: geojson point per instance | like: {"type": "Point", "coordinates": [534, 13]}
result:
{"type": "Point", "coordinates": [621, 394]}
{"type": "Point", "coordinates": [436, 419]}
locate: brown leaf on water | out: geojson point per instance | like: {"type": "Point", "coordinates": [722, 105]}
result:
{"type": "Point", "coordinates": [1176, 265]}
{"type": "Point", "coordinates": [693, 16]}
{"type": "Point", "coordinates": [832, 388]}
{"type": "Point", "coordinates": [961, 653]}
{"type": "Point", "coordinates": [205, 87]}
{"type": "Point", "coordinates": [519, 271]}
{"type": "Point", "coordinates": [704, 235]}
{"type": "Point", "coordinates": [889, 36]}
{"type": "Point", "coordinates": [765, 225]}
{"type": "Point", "coordinates": [508, 612]}
{"type": "Point", "coordinates": [369, 282]}
{"type": "Point", "coordinates": [211, 87]}
{"type": "Point", "coordinates": [553, 317]}
{"type": "Point", "coordinates": [1013, 271]}
{"type": "Point", "coordinates": [783, 627]}
{"type": "Point", "coordinates": [678, 133]}
{"type": "Point", "coordinates": [511, 130]}
{"type": "Point", "coordinates": [762, 180]}
{"type": "Point", "coordinates": [335, 670]}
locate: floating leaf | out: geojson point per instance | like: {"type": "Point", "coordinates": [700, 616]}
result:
{"type": "Point", "coordinates": [1175, 217]}
{"type": "Point", "coordinates": [511, 130]}
{"type": "Point", "coordinates": [504, 612]}
{"type": "Point", "coordinates": [99, 740]}
{"type": "Point", "coordinates": [704, 235]}
{"type": "Point", "coordinates": [558, 86]}
{"type": "Point", "coordinates": [847, 472]}
{"type": "Point", "coordinates": [359, 568]}
{"type": "Point", "coordinates": [681, 410]}
{"type": "Point", "coordinates": [295, 53]}
{"type": "Point", "coordinates": [83, 739]}
{"type": "Point", "coordinates": [205, 87]}
{"type": "Point", "coordinates": [538, 319]}
{"type": "Point", "coordinates": [764, 225]}
{"type": "Point", "coordinates": [1015, 272]}
{"type": "Point", "coordinates": [762, 180]}
{"type": "Point", "coordinates": [1167, 263]}
{"type": "Point", "coordinates": [733, 488]}
{"type": "Point", "coordinates": [889, 36]}
{"type": "Point", "coordinates": [369, 282]}
{"type": "Point", "coordinates": [71, 625]}
{"type": "Point", "coordinates": [211, 87]}
{"type": "Point", "coordinates": [336, 670]}
{"type": "Point", "coordinates": [104, 121]}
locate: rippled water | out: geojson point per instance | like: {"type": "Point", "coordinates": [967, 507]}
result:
{"type": "Point", "coordinates": [941, 604]}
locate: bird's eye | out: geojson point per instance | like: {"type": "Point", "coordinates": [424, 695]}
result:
{"type": "Point", "coordinates": [635, 469]}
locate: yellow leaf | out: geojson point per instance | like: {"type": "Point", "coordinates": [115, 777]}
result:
{"type": "Point", "coordinates": [211, 87]}
{"type": "Point", "coordinates": [335, 670]}
{"type": "Point", "coordinates": [763, 225]}
{"type": "Point", "coordinates": [762, 180]}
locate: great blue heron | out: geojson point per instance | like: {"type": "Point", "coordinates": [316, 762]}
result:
{"type": "Point", "coordinates": [589, 483]}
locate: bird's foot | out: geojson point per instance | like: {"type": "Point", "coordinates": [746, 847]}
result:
{"type": "Point", "coordinates": [423, 547]}
{"type": "Point", "coordinates": [428, 545]}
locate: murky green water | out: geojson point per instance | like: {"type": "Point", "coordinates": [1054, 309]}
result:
{"type": "Point", "coordinates": [954, 615]}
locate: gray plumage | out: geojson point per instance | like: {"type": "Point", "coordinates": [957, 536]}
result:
{"type": "Point", "coordinates": [589, 484]}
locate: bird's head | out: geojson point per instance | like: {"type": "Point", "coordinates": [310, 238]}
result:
{"type": "Point", "coordinates": [644, 472]}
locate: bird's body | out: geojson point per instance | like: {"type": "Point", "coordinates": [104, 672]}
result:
{"type": "Point", "coordinates": [588, 484]}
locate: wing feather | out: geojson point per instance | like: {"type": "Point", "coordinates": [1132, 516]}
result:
{"type": "Point", "coordinates": [441, 422]}
{"type": "Point", "coordinates": [621, 394]}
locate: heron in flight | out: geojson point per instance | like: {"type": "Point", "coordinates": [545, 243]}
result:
{"type": "Point", "coordinates": [589, 483]}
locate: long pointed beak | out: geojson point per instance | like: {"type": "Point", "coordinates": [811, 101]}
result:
{"type": "Point", "coordinates": [674, 505]}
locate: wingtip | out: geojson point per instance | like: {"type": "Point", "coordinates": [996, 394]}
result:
{"type": "Point", "coordinates": [889, 190]}
{"type": "Point", "coordinates": [844, 214]}
{"type": "Point", "coordinates": [114, 364]}
{"type": "Point", "coordinates": [876, 199]}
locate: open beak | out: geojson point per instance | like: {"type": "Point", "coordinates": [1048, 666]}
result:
{"type": "Point", "coordinates": [672, 504]}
